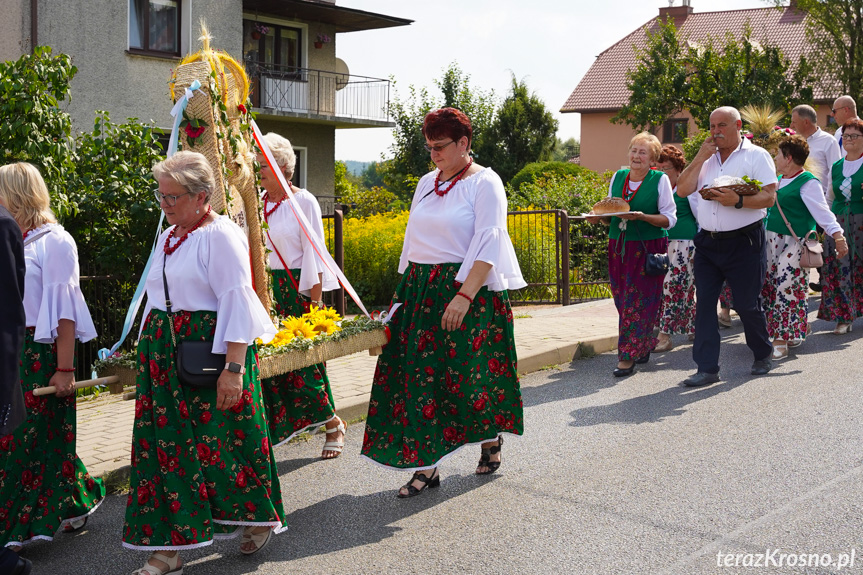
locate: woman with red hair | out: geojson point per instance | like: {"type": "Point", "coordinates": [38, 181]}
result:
{"type": "Point", "coordinates": [448, 379]}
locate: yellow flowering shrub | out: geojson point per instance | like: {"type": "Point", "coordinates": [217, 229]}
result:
{"type": "Point", "coordinates": [533, 237]}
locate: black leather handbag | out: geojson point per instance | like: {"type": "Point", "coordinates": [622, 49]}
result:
{"type": "Point", "coordinates": [197, 365]}
{"type": "Point", "coordinates": [656, 264]}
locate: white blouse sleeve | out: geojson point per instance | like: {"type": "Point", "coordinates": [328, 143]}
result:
{"type": "Point", "coordinates": [812, 195]}
{"type": "Point", "coordinates": [61, 291]}
{"type": "Point", "coordinates": [423, 188]}
{"type": "Point", "coordinates": [491, 242]}
{"type": "Point", "coordinates": [312, 265]}
{"type": "Point", "coordinates": [665, 201]}
{"type": "Point", "coordinates": [241, 317]}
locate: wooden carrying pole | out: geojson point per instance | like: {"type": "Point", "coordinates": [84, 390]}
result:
{"type": "Point", "coordinates": [78, 385]}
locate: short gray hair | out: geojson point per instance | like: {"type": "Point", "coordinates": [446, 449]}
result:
{"type": "Point", "coordinates": [806, 112]}
{"type": "Point", "coordinates": [189, 169]}
{"type": "Point", "coordinates": [728, 110]}
{"type": "Point", "coordinates": [283, 153]}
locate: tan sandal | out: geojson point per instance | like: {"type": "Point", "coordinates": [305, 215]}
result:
{"type": "Point", "coordinates": [171, 562]}
{"type": "Point", "coordinates": [260, 540]}
{"type": "Point", "coordinates": [335, 446]}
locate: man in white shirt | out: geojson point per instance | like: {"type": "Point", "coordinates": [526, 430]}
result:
{"type": "Point", "coordinates": [844, 109]}
{"type": "Point", "coordinates": [823, 151]}
{"type": "Point", "coordinates": [730, 245]}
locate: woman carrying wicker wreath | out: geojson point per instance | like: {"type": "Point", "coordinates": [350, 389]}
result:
{"type": "Point", "coordinates": [447, 379]}
{"type": "Point", "coordinates": [202, 460]}
{"type": "Point", "coordinates": [302, 399]}
{"type": "Point", "coordinates": [800, 198]}
{"type": "Point", "coordinates": [44, 486]}
{"type": "Point", "coordinates": [842, 275]}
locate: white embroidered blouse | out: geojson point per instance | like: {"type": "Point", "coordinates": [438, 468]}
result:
{"type": "Point", "coordinates": [463, 226]}
{"type": "Point", "coordinates": [293, 245]}
{"type": "Point", "coordinates": [211, 271]}
{"type": "Point", "coordinates": [52, 288]}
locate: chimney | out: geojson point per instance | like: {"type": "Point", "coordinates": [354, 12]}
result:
{"type": "Point", "coordinates": [677, 13]}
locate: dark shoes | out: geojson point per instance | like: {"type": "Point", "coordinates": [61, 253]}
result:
{"type": "Point", "coordinates": [643, 360]}
{"type": "Point", "coordinates": [701, 379]}
{"type": "Point", "coordinates": [624, 371]}
{"type": "Point", "coordinates": [815, 286]}
{"type": "Point", "coordinates": [23, 567]}
{"type": "Point", "coordinates": [485, 458]}
{"type": "Point", "coordinates": [432, 480]}
{"type": "Point", "coordinates": [762, 366]}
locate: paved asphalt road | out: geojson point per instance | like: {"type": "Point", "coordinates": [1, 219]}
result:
{"type": "Point", "coordinates": [628, 476]}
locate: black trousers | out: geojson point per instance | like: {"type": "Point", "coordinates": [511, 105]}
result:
{"type": "Point", "coordinates": [742, 261]}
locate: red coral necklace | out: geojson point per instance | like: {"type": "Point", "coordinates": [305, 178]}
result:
{"type": "Point", "coordinates": [26, 234]}
{"type": "Point", "coordinates": [169, 249]}
{"type": "Point", "coordinates": [453, 181]}
{"type": "Point", "coordinates": [794, 176]}
{"type": "Point", "coordinates": [269, 213]}
{"type": "Point", "coordinates": [629, 194]}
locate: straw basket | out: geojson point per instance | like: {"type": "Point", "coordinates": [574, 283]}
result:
{"type": "Point", "coordinates": [127, 377]}
{"type": "Point", "coordinates": [293, 360]}
{"type": "Point", "coordinates": [742, 189]}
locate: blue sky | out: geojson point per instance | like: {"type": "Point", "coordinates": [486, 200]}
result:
{"type": "Point", "coordinates": [548, 43]}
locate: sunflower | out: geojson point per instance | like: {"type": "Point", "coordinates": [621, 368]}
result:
{"type": "Point", "coordinates": [298, 327]}
{"type": "Point", "coordinates": [330, 313]}
{"type": "Point", "coordinates": [324, 325]}
{"type": "Point", "coordinates": [281, 338]}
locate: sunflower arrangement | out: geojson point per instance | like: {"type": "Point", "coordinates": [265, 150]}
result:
{"type": "Point", "coordinates": [311, 325]}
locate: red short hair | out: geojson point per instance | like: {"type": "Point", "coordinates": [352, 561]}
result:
{"type": "Point", "coordinates": [855, 123]}
{"type": "Point", "coordinates": [673, 156]}
{"type": "Point", "coordinates": [447, 123]}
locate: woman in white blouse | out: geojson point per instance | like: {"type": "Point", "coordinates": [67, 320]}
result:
{"type": "Point", "coordinates": [800, 198]}
{"type": "Point", "coordinates": [447, 379]}
{"type": "Point", "coordinates": [44, 485]}
{"type": "Point", "coordinates": [302, 399]}
{"type": "Point", "coordinates": [202, 460]}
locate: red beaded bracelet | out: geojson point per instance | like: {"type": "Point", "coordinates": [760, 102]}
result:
{"type": "Point", "coordinates": [467, 297]}
{"type": "Point", "coordinates": [66, 370]}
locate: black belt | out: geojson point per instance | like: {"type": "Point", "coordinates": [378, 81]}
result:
{"type": "Point", "coordinates": [733, 233]}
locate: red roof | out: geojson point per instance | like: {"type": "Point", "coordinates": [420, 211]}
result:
{"type": "Point", "coordinates": [601, 88]}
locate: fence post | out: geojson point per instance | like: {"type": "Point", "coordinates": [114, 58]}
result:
{"type": "Point", "coordinates": [339, 249]}
{"type": "Point", "coordinates": [563, 254]}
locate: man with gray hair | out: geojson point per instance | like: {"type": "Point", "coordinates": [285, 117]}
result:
{"type": "Point", "coordinates": [844, 109]}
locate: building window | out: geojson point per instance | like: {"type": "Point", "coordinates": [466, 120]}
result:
{"type": "Point", "coordinates": [154, 26]}
{"type": "Point", "coordinates": [675, 131]}
{"type": "Point", "coordinates": [275, 46]}
{"type": "Point", "coordinates": [299, 178]}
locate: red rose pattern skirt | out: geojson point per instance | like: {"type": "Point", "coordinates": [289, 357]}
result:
{"type": "Point", "coordinates": [637, 295]}
{"type": "Point", "coordinates": [297, 400]}
{"type": "Point", "coordinates": [435, 391]}
{"type": "Point", "coordinates": [785, 288]}
{"type": "Point", "coordinates": [197, 472]}
{"type": "Point", "coordinates": [842, 279]}
{"type": "Point", "coordinates": [678, 290]}
{"type": "Point", "coordinates": [43, 483]}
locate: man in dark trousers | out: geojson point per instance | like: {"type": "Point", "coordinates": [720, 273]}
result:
{"type": "Point", "coordinates": [12, 324]}
{"type": "Point", "coordinates": [731, 244]}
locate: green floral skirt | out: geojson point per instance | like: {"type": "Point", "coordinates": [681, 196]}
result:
{"type": "Point", "coordinates": [436, 391]}
{"type": "Point", "coordinates": [43, 483]}
{"type": "Point", "coordinates": [300, 399]}
{"type": "Point", "coordinates": [197, 472]}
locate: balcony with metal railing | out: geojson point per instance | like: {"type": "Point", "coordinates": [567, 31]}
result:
{"type": "Point", "coordinates": [319, 95]}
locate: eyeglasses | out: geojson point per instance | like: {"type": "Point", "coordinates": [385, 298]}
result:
{"type": "Point", "coordinates": [437, 148]}
{"type": "Point", "coordinates": [851, 137]}
{"type": "Point", "coordinates": [839, 108]}
{"type": "Point", "coordinates": [169, 200]}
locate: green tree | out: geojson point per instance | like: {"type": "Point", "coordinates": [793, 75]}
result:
{"type": "Point", "coordinates": [834, 34]}
{"type": "Point", "coordinates": [410, 159]}
{"type": "Point", "coordinates": [565, 151]}
{"type": "Point", "coordinates": [33, 127]}
{"type": "Point", "coordinates": [674, 74]}
{"type": "Point", "coordinates": [523, 131]}
{"type": "Point", "coordinates": [343, 185]}
{"type": "Point", "coordinates": [373, 175]}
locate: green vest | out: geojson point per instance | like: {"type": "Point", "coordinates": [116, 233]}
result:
{"type": "Point", "coordinates": [840, 205]}
{"type": "Point", "coordinates": [793, 207]}
{"type": "Point", "coordinates": [645, 200]}
{"type": "Point", "coordinates": [686, 226]}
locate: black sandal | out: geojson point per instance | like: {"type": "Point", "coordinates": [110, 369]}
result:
{"type": "Point", "coordinates": [430, 481]}
{"type": "Point", "coordinates": [485, 458]}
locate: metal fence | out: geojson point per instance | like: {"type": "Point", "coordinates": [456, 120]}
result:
{"type": "Point", "coordinates": [104, 296]}
{"type": "Point", "coordinates": [306, 91]}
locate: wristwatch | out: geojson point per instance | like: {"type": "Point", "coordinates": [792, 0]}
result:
{"type": "Point", "coordinates": [319, 303]}
{"type": "Point", "coordinates": [235, 367]}
{"type": "Point", "coordinates": [739, 203]}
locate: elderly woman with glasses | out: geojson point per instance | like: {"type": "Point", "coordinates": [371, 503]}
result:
{"type": "Point", "coordinates": [302, 399]}
{"type": "Point", "coordinates": [202, 460]}
{"type": "Point", "coordinates": [44, 486]}
{"type": "Point", "coordinates": [631, 236]}
{"type": "Point", "coordinates": [447, 379]}
{"type": "Point", "coordinates": [842, 274]}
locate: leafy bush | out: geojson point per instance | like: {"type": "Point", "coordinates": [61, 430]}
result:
{"type": "Point", "coordinates": [535, 241]}
{"type": "Point", "coordinates": [537, 170]}
{"type": "Point", "coordinates": [693, 143]}
{"type": "Point", "coordinates": [364, 202]}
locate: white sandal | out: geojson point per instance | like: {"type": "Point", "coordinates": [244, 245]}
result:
{"type": "Point", "coordinates": [171, 562]}
{"type": "Point", "coordinates": [259, 539]}
{"type": "Point", "coordinates": [335, 446]}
